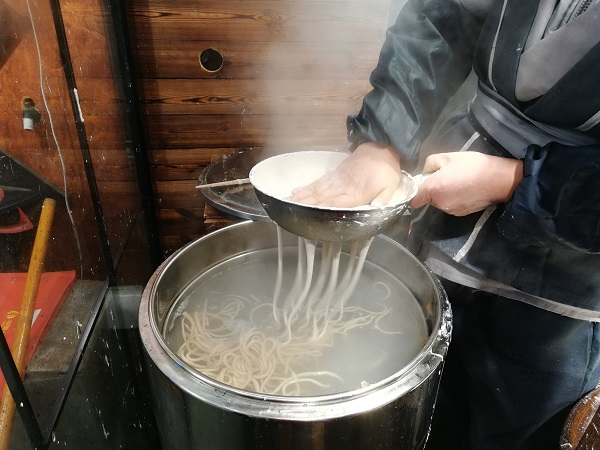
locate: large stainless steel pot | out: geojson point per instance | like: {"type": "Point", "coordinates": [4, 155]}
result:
{"type": "Point", "coordinates": [195, 412]}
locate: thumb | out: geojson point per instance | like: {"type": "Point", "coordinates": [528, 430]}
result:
{"type": "Point", "coordinates": [434, 163]}
{"type": "Point", "coordinates": [423, 195]}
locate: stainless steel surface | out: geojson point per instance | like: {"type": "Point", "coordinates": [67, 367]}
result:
{"type": "Point", "coordinates": [325, 223]}
{"type": "Point", "coordinates": [195, 412]}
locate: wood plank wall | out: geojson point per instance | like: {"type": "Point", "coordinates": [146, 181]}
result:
{"type": "Point", "coordinates": [77, 243]}
{"type": "Point", "coordinates": [292, 71]}
{"type": "Point", "coordinates": [93, 50]}
{"type": "Point", "coordinates": [33, 63]}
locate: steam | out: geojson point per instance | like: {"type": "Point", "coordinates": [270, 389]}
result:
{"type": "Point", "coordinates": [314, 71]}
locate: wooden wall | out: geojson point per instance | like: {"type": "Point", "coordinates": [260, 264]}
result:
{"type": "Point", "coordinates": [292, 71]}
{"type": "Point", "coordinates": [93, 50]}
{"type": "Point", "coordinates": [19, 77]}
{"type": "Point", "coordinates": [32, 66]}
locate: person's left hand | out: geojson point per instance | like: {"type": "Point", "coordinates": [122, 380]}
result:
{"type": "Point", "coordinates": [467, 182]}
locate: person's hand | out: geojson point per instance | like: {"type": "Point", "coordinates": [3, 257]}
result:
{"type": "Point", "coordinates": [370, 175]}
{"type": "Point", "coordinates": [467, 182]}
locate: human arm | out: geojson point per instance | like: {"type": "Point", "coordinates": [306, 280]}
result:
{"type": "Point", "coordinates": [426, 56]}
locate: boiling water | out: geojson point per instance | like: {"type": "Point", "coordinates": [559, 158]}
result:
{"type": "Point", "coordinates": [363, 355]}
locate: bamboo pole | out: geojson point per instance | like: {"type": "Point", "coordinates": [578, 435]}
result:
{"type": "Point", "coordinates": [32, 284]}
{"type": "Point", "coordinates": [236, 182]}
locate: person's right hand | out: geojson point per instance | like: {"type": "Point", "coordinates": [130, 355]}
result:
{"type": "Point", "coordinates": [370, 175]}
{"type": "Point", "coordinates": [462, 183]}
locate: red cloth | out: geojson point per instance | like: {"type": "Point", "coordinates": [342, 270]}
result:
{"type": "Point", "coordinates": [52, 292]}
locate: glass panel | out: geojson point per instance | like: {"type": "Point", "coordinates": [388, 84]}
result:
{"type": "Point", "coordinates": [65, 136]}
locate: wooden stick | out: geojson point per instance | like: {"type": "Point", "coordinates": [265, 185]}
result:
{"type": "Point", "coordinates": [32, 284]}
{"type": "Point", "coordinates": [225, 183]}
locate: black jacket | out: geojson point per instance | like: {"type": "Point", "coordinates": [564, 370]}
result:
{"type": "Point", "coordinates": [554, 214]}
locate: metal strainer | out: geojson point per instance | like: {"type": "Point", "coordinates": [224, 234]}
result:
{"type": "Point", "coordinates": [274, 179]}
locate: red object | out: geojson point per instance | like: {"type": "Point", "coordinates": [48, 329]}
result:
{"type": "Point", "coordinates": [53, 290]}
{"type": "Point", "coordinates": [23, 225]}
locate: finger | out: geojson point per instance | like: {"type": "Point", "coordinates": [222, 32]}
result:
{"type": "Point", "coordinates": [423, 195]}
{"type": "Point", "coordinates": [306, 194]}
{"type": "Point", "coordinates": [309, 200]}
{"type": "Point", "coordinates": [311, 196]}
{"type": "Point", "coordinates": [319, 190]}
{"type": "Point", "coordinates": [384, 197]}
{"type": "Point", "coordinates": [339, 201]}
{"type": "Point", "coordinates": [301, 194]}
{"type": "Point", "coordinates": [433, 163]}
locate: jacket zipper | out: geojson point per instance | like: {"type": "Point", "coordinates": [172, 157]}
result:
{"type": "Point", "coordinates": [583, 7]}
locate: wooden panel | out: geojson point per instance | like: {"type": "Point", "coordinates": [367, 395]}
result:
{"type": "Point", "coordinates": [189, 157]}
{"type": "Point", "coordinates": [259, 60]}
{"type": "Point", "coordinates": [11, 25]}
{"type": "Point", "coordinates": [292, 72]}
{"type": "Point", "coordinates": [90, 57]}
{"type": "Point", "coordinates": [191, 131]}
{"type": "Point", "coordinates": [100, 96]}
{"type": "Point", "coordinates": [180, 213]}
{"type": "Point", "coordinates": [88, 24]}
{"type": "Point", "coordinates": [179, 194]}
{"type": "Point", "coordinates": [187, 164]}
{"type": "Point", "coordinates": [215, 219]}
{"type": "Point", "coordinates": [173, 242]}
{"type": "Point", "coordinates": [104, 133]}
{"type": "Point", "coordinates": [170, 215]}
{"type": "Point", "coordinates": [25, 83]}
{"type": "Point", "coordinates": [181, 232]}
{"type": "Point", "coordinates": [92, 47]}
{"type": "Point", "coordinates": [261, 21]}
{"type": "Point", "coordinates": [246, 97]}
{"type": "Point", "coordinates": [111, 164]}
{"type": "Point", "coordinates": [53, 144]}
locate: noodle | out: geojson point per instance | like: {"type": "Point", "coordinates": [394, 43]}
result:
{"type": "Point", "coordinates": [247, 353]}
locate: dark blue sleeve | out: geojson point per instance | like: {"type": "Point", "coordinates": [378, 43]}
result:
{"type": "Point", "coordinates": [558, 200]}
{"type": "Point", "coordinates": [425, 58]}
